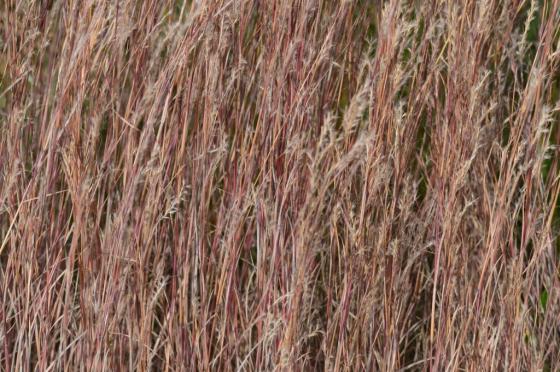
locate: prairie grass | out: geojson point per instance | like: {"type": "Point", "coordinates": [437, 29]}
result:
{"type": "Point", "coordinates": [297, 185]}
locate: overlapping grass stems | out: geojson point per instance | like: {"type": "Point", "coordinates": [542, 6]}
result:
{"type": "Point", "coordinates": [223, 185]}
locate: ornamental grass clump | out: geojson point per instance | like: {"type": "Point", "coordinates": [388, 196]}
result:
{"type": "Point", "coordinates": [295, 185]}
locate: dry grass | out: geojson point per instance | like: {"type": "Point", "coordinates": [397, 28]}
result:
{"type": "Point", "coordinates": [251, 185]}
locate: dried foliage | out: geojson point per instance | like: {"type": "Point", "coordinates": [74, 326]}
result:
{"type": "Point", "coordinates": [254, 185]}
